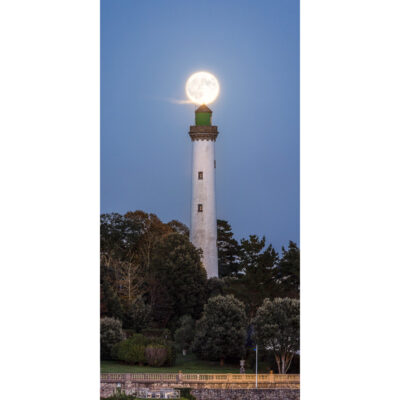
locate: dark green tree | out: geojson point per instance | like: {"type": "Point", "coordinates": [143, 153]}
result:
{"type": "Point", "coordinates": [277, 328]}
{"type": "Point", "coordinates": [287, 274]}
{"type": "Point", "coordinates": [221, 331]}
{"type": "Point", "coordinates": [110, 304]}
{"type": "Point", "coordinates": [177, 280]}
{"type": "Point", "coordinates": [110, 334]}
{"type": "Point", "coordinates": [184, 335]}
{"type": "Point", "coordinates": [255, 281]}
{"type": "Point", "coordinates": [138, 315]}
{"type": "Point", "coordinates": [228, 250]}
{"type": "Point", "coordinates": [215, 287]}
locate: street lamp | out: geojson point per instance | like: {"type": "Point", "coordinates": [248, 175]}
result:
{"type": "Point", "coordinates": [256, 349]}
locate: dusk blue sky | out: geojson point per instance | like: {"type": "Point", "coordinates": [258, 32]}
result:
{"type": "Point", "coordinates": [148, 50]}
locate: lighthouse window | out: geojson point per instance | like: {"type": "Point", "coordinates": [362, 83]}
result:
{"type": "Point", "coordinates": [215, 164]}
{"type": "Point", "coordinates": [199, 207]}
{"type": "Point", "coordinates": [200, 174]}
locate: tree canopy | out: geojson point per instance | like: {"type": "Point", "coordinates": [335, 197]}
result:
{"type": "Point", "coordinates": [221, 331]}
{"type": "Point", "coordinates": [277, 328]}
{"type": "Point", "coordinates": [152, 276]}
{"type": "Point", "coordinates": [177, 282]}
{"type": "Point", "coordinates": [228, 250]}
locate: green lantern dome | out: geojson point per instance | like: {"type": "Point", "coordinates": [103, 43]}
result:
{"type": "Point", "coordinates": [203, 116]}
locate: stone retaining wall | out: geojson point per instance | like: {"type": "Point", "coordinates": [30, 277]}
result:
{"type": "Point", "coordinates": [107, 390]}
{"type": "Point", "coordinates": [246, 394]}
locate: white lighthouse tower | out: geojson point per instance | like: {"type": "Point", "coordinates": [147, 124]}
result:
{"type": "Point", "coordinates": [203, 231]}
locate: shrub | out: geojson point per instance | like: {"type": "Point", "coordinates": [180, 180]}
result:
{"type": "Point", "coordinates": [110, 334]}
{"type": "Point", "coordinates": [156, 355]}
{"type": "Point", "coordinates": [186, 394]}
{"type": "Point", "coordinates": [138, 338]}
{"type": "Point", "coordinates": [133, 351]}
{"type": "Point", "coordinates": [130, 352]}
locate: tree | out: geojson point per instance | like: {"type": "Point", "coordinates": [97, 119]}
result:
{"type": "Point", "coordinates": [215, 287]}
{"type": "Point", "coordinates": [179, 227]}
{"type": "Point", "coordinates": [255, 280]}
{"type": "Point", "coordinates": [110, 334]}
{"type": "Point", "coordinates": [177, 280]}
{"type": "Point", "coordinates": [126, 244]}
{"type": "Point", "coordinates": [184, 335]}
{"type": "Point", "coordinates": [228, 250]}
{"type": "Point", "coordinates": [287, 275]}
{"type": "Point", "coordinates": [119, 238]}
{"type": "Point", "coordinates": [110, 304]}
{"type": "Point", "coordinates": [138, 315]}
{"type": "Point", "coordinates": [221, 331]}
{"type": "Point", "coordinates": [277, 328]}
{"type": "Point", "coordinates": [151, 230]}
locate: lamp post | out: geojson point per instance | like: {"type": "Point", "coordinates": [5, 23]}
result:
{"type": "Point", "coordinates": [256, 366]}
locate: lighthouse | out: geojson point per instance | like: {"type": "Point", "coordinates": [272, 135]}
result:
{"type": "Point", "coordinates": [203, 230]}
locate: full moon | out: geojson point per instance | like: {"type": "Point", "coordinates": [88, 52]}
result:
{"type": "Point", "coordinates": [202, 88]}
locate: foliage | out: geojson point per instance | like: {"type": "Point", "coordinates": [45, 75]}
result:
{"type": "Point", "coordinates": [110, 304]}
{"type": "Point", "coordinates": [186, 394]}
{"type": "Point", "coordinates": [126, 246]}
{"type": "Point", "coordinates": [255, 281]}
{"type": "Point", "coordinates": [130, 352]}
{"type": "Point", "coordinates": [178, 227]}
{"type": "Point", "coordinates": [184, 335]}
{"type": "Point", "coordinates": [215, 287]}
{"type": "Point", "coordinates": [110, 334]}
{"type": "Point", "coordinates": [177, 281]}
{"type": "Point", "coordinates": [156, 332]}
{"type": "Point", "coordinates": [156, 355]}
{"type": "Point", "coordinates": [221, 331]}
{"type": "Point", "coordinates": [287, 274]}
{"type": "Point", "coordinates": [138, 315]}
{"type": "Point", "coordinates": [228, 250]}
{"type": "Point", "coordinates": [151, 276]}
{"type": "Point", "coordinates": [134, 351]}
{"type": "Point", "coordinates": [277, 328]}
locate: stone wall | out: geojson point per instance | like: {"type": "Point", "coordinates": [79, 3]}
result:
{"type": "Point", "coordinates": [246, 394]}
{"type": "Point", "coordinates": [107, 390]}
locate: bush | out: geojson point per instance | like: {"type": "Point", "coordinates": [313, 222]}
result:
{"type": "Point", "coordinates": [156, 355]}
{"type": "Point", "coordinates": [186, 394]}
{"type": "Point", "coordinates": [130, 352]}
{"type": "Point", "coordinates": [138, 338]}
{"type": "Point", "coordinates": [133, 351]}
{"type": "Point", "coordinates": [110, 334]}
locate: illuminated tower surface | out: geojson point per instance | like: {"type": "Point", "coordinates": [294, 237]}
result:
{"type": "Point", "coordinates": [203, 230]}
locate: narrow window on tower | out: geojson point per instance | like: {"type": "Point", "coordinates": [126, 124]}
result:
{"type": "Point", "coordinates": [200, 175]}
{"type": "Point", "coordinates": [199, 207]}
{"type": "Point", "coordinates": [215, 164]}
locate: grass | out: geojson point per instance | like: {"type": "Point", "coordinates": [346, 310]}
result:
{"type": "Point", "coordinates": [186, 364]}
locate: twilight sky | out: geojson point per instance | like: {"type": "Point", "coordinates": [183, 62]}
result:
{"type": "Point", "coordinates": [148, 50]}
